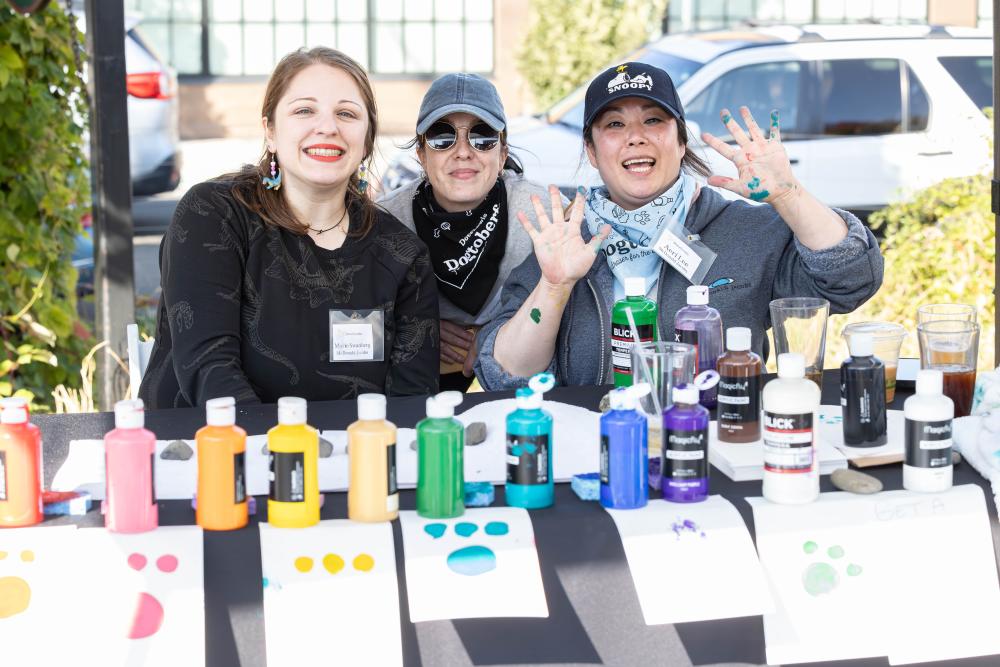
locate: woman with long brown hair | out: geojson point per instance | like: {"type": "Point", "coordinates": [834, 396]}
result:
{"type": "Point", "coordinates": [284, 278]}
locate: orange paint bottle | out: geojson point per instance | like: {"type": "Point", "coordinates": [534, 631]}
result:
{"type": "Point", "coordinates": [222, 491]}
{"type": "Point", "coordinates": [20, 466]}
{"type": "Point", "coordinates": [372, 494]}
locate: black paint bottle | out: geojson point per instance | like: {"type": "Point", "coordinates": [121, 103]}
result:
{"type": "Point", "coordinates": [862, 395]}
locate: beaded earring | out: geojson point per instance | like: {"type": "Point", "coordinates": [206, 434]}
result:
{"type": "Point", "coordinates": [273, 183]}
{"type": "Point", "coordinates": [362, 178]}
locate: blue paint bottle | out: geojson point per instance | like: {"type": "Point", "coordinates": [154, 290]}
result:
{"type": "Point", "coordinates": [685, 448]}
{"type": "Point", "coordinates": [624, 451]}
{"type": "Point", "coordinates": [529, 447]}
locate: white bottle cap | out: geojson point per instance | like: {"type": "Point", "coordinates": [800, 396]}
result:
{"type": "Point", "coordinates": [738, 339]}
{"type": "Point", "coordinates": [627, 398]}
{"type": "Point", "coordinates": [220, 411]}
{"type": "Point", "coordinates": [443, 405]}
{"type": "Point", "coordinates": [130, 414]}
{"type": "Point", "coordinates": [291, 410]}
{"type": "Point", "coordinates": [930, 382]}
{"type": "Point", "coordinates": [527, 399]}
{"type": "Point", "coordinates": [697, 295]}
{"type": "Point", "coordinates": [635, 286]}
{"type": "Point", "coordinates": [685, 393]}
{"type": "Point", "coordinates": [13, 411]}
{"type": "Point", "coordinates": [371, 407]}
{"type": "Point", "coordinates": [791, 365]}
{"type": "Point", "coordinates": [861, 345]}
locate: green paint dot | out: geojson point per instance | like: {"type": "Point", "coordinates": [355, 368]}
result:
{"type": "Point", "coordinates": [853, 570]}
{"type": "Point", "coordinates": [835, 552]}
{"type": "Point", "coordinates": [536, 315]}
{"type": "Point", "coordinates": [809, 547]}
{"type": "Point", "coordinates": [819, 579]}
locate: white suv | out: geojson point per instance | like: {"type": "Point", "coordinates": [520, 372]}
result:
{"type": "Point", "coordinates": [868, 112]}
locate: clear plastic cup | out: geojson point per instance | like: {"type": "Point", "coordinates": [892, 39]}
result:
{"type": "Point", "coordinates": [952, 347]}
{"type": "Point", "coordinates": [946, 311]}
{"type": "Point", "coordinates": [799, 325]}
{"type": "Point", "coordinates": [888, 338]}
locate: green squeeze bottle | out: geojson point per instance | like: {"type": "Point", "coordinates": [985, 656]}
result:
{"type": "Point", "coordinates": [635, 310]}
{"type": "Point", "coordinates": [440, 461]}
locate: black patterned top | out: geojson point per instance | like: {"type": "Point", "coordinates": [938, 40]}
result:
{"type": "Point", "coordinates": [245, 309]}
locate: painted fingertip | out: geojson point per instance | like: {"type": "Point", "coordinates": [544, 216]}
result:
{"type": "Point", "coordinates": [774, 118]}
{"type": "Point", "coordinates": [726, 116]}
{"type": "Point", "coordinates": [580, 190]}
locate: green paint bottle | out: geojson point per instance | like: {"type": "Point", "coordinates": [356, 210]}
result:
{"type": "Point", "coordinates": [440, 460]}
{"type": "Point", "coordinates": [635, 309]}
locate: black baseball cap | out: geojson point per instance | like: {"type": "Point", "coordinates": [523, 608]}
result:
{"type": "Point", "coordinates": [631, 80]}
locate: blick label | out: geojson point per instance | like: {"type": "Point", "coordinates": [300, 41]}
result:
{"type": "Point", "coordinates": [239, 477]}
{"type": "Point", "coordinates": [527, 459]}
{"type": "Point", "coordinates": [739, 400]}
{"type": "Point", "coordinates": [605, 461]}
{"type": "Point", "coordinates": [928, 444]}
{"type": "Point", "coordinates": [3, 475]}
{"type": "Point", "coordinates": [684, 455]}
{"type": "Point", "coordinates": [788, 443]}
{"type": "Point", "coordinates": [288, 474]}
{"type": "Point", "coordinates": [622, 343]}
{"type": "Point", "coordinates": [689, 336]}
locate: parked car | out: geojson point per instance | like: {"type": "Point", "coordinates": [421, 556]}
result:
{"type": "Point", "coordinates": [868, 112]}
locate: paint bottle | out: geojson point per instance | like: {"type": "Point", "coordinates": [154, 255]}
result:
{"type": "Point", "coordinates": [739, 389]}
{"type": "Point", "coordinates": [440, 459]}
{"type": "Point", "coordinates": [20, 466]}
{"type": "Point", "coordinates": [222, 450]}
{"type": "Point", "coordinates": [791, 404]}
{"type": "Point", "coordinates": [685, 448]}
{"type": "Point", "coordinates": [624, 450]}
{"type": "Point", "coordinates": [372, 494]}
{"type": "Point", "coordinates": [862, 394]}
{"type": "Point", "coordinates": [929, 413]}
{"type": "Point", "coordinates": [635, 310]}
{"type": "Point", "coordinates": [293, 459]}
{"type": "Point", "coordinates": [129, 455]}
{"type": "Point", "coordinates": [529, 447]}
{"type": "Point", "coordinates": [700, 325]}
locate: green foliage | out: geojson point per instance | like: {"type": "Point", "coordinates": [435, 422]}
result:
{"type": "Point", "coordinates": [570, 40]}
{"type": "Point", "coordinates": [44, 192]}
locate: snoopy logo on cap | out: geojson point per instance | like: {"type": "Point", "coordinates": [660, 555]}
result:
{"type": "Point", "coordinates": [623, 81]}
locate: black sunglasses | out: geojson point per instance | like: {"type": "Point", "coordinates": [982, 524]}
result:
{"type": "Point", "coordinates": [441, 136]}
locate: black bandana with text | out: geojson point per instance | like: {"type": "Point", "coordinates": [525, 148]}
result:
{"type": "Point", "coordinates": [466, 247]}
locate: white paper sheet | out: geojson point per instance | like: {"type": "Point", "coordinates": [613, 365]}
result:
{"type": "Point", "coordinates": [673, 549]}
{"type": "Point", "coordinates": [831, 430]}
{"type": "Point", "coordinates": [36, 571]}
{"type": "Point", "coordinates": [330, 595]}
{"type": "Point", "coordinates": [144, 596]}
{"type": "Point", "coordinates": [480, 565]}
{"type": "Point", "coordinates": [863, 576]}
{"type": "Point", "coordinates": [744, 461]}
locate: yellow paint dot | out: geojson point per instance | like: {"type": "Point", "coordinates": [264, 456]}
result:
{"type": "Point", "coordinates": [3, 554]}
{"type": "Point", "coordinates": [303, 563]}
{"type": "Point", "coordinates": [15, 596]}
{"type": "Point", "coordinates": [364, 562]}
{"type": "Point", "coordinates": [333, 563]}
{"type": "Point", "coordinates": [28, 556]}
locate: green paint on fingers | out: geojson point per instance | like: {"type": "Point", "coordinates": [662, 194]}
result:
{"type": "Point", "coordinates": [754, 183]}
{"type": "Point", "coordinates": [760, 196]}
{"type": "Point", "coordinates": [726, 118]}
{"type": "Point", "coordinates": [774, 119]}
{"type": "Point", "coordinates": [536, 315]}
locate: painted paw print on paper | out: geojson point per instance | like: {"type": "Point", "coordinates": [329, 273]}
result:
{"type": "Point", "coordinates": [148, 615]}
{"type": "Point", "coordinates": [822, 577]}
{"type": "Point", "coordinates": [471, 560]}
{"type": "Point", "coordinates": [685, 526]}
{"type": "Point", "coordinates": [826, 418]}
{"type": "Point", "coordinates": [333, 563]}
{"type": "Point", "coordinates": [15, 593]}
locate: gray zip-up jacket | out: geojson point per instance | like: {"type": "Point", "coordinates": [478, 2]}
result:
{"type": "Point", "coordinates": [759, 259]}
{"type": "Point", "coordinates": [399, 202]}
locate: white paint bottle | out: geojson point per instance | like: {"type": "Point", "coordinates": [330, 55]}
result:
{"type": "Point", "coordinates": [791, 406]}
{"type": "Point", "coordinates": [929, 413]}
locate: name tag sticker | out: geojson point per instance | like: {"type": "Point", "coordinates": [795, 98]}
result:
{"type": "Point", "coordinates": [677, 254]}
{"type": "Point", "coordinates": [356, 335]}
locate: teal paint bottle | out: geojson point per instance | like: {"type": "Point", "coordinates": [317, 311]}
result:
{"type": "Point", "coordinates": [440, 460]}
{"type": "Point", "coordinates": [529, 448]}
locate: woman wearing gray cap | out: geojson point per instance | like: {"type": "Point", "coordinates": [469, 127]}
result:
{"type": "Point", "coordinates": [463, 209]}
{"type": "Point", "coordinates": [652, 220]}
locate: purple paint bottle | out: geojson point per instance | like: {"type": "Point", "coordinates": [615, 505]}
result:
{"type": "Point", "coordinates": [700, 325]}
{"type": "Point", "coordinates": [685, 448]}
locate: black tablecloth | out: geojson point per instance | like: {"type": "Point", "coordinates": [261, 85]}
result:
{"type": "Point", "coordinates": [594, 615]}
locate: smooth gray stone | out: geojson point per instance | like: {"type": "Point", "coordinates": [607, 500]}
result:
{"type": "Point", "coordinates": [605, 403]}
{"type": "Point", "coordinates": [475, 433]}
{"type": "Point", "coordinates": [956, 458]}
{"type": "Point", "coordinates": [178, 450]}
{"type": "Point", "coordinates": [413, 445]}
{"type": "Point", "coordinates": [853, 481]}
{"type": "Point", "coordinates": [325, 448]}
{"type": "Point", "coordinates": [263, 450]}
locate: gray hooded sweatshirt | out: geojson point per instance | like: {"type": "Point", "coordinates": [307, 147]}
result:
{"type": "Point", "coordinates": [759, 259]}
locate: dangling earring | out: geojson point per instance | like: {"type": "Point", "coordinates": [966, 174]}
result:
{"type": "Point", "coordinates": [362, 178]}
{"type": "Point", "coordinates": [273, 183]}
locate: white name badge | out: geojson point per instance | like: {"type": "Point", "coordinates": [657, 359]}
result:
{"type": "Point", "coordinates": [677, 254]}
{"type": "Point", "coordinates": [356, 335]}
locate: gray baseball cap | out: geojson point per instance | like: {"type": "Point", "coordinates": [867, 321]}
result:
{"type": "Point", "coordinates": [456, 92]}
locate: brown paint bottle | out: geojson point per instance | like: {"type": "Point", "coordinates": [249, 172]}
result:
{"type": "Point", "coordinates": [739, 389]}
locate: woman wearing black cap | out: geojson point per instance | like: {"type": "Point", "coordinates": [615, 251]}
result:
{"type": "Point", "coordinates": [463, 209]}
{"type": "Point", "coordinates": [651, 219]}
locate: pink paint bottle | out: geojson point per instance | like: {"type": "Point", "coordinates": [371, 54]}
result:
{"type": "Point", "coordinates": [129, 449]}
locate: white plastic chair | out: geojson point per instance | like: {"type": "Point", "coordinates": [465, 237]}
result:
{"type": "Point", "coordinates": [138, 358]}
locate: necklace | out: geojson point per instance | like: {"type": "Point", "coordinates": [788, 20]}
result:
{"type": "Point", "coordinates": [324, 231]}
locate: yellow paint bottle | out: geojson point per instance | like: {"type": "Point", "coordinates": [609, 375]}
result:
{"type": "Point", "coordinates": [371, 444]}
{"type": "Point", "coordinates": [293, 460]}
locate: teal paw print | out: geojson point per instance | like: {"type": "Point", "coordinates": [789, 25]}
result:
{"type": "Point", "coordinates": [473, 560]}
{"type": "Point", "coordinates": [821, 577]}
{"type": "Point", "coordinates": [830, 419]}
